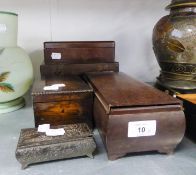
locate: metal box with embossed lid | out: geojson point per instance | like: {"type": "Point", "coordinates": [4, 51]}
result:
{"type": "Point", "coordinates": [34, 147]}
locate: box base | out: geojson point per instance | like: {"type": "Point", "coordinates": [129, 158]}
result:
{"type": "Point", "coordinates": [55, 152]}
{"type": "Point", "coordinates": [170, 130]}
{"type": "Point", "coordinates": [168, 151]}
{"type": "Point", "coordinates": [62, 70]}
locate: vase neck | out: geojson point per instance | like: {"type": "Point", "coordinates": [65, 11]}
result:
{"type": "Point", "coordinates": [8, 29]}
{"type": "Point", "coordinates": [185, 10]}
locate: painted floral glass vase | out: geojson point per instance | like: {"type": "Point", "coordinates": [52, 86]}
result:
{"type": "Point", "coordinates": [174, 43]}
{"type": "Point", "coordinates": [16, 72]}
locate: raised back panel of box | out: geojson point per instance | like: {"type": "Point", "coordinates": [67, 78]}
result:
{"type": "Point", "coordinates": [79, 52]}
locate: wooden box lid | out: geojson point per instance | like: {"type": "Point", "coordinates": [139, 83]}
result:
{"type": "Point", "coordinates": [117, 90]}
{"type": "Point", "coordinates": [30, 137]}
{"type": "Point", "coordinates": [77, 52]}
{"type": "Point", "coordinates": [79, 44]}
{"type": "Point", "coordinates": [67, 86]}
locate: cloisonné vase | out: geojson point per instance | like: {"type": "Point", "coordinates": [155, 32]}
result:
{"type": "Point", "coordinates": [174, 44]}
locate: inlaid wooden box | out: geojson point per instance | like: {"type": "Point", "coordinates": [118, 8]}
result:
{"type": "Point", "coordinates": [35, 147]}
{"type": "Point", "coordinates": [61, 102]}
{"type": "Point", "coordinates": [62, 70]}
{"type": "Point", "coordinates": [79, 52]}
{"type": "Point", "coordinates": [131, 116]}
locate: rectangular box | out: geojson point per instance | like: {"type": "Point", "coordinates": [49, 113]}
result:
{"type": "Point", "coordinates": [60, 102]}
{"type": "Point", "coordinates": [190, 113]}
{"type": "Point", "coordinates": [188, 98]}
{"type": "Point", "coordinates": [132, 117]}
{"type": "Point", "coordinates": [35, 147]}
{"type": "Point", "coordinates": [189, 104]}
{"type": "Point", "coordinates": [62, 70]}
{"type": "Point", "coordinates": [79, 52]}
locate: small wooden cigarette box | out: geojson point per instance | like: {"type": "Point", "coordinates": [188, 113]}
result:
{"type": "Point", "coordinates": [61, 102]}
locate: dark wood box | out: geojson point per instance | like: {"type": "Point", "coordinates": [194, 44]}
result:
{"type": "Point", "coordinates": [188, 98]}
{"type": "Point", "coordinates": [61, 70]}
{"type": "Point", "coordinates": [67, 105]}
{"type": "Point", "coordinates": [190, 113]}
{"type": "Point", "coordinates": [35, 147]}
{"type": "Point", "coordinates": [79, 52]}
{"type": "Point", "coordinates": [122, 103]}
{"type": "Point", "coordinates": [189, 104]}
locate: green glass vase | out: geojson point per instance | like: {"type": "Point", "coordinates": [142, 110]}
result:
{"type": "Point", "coordinates": [16, 71]}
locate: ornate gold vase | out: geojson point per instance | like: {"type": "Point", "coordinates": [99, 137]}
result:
{"type": "Point", "coordinates": [174, 44]}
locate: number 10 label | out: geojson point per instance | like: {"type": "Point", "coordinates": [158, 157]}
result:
{"type": "Point", "coordinates": [142, 128]}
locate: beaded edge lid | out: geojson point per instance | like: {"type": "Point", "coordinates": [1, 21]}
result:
{"type": "Point", "coordinates": [181, 3]}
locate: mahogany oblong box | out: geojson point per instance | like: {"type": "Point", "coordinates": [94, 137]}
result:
{"type": "Point", "coordinates": [70, 104]}
{"type": "Point", "coordinates": [122, 103]}
{"type": "Point", "coordinates": [78, 52]}
{"type": "Point", "coordinates": [62, 70]}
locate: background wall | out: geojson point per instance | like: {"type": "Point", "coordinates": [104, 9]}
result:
{"type": "Point", "coordinates": [128, 22]}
